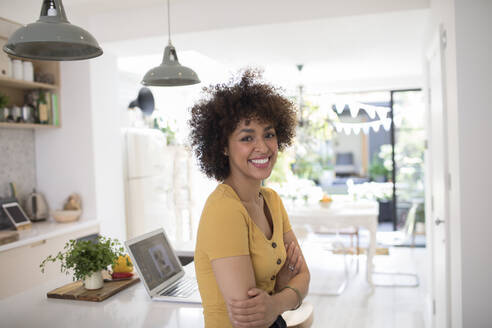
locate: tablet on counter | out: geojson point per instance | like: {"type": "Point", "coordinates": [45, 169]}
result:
{"type": "Point", "coordinates": [16, 214]}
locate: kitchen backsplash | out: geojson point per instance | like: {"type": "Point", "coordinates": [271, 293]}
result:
{"type": "Point", "coordinates": [17, 161]}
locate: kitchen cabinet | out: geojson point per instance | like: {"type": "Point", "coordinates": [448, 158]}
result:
{"type": "Point", "coordinates": [16, 89]}
{"type": "Point", "coordinates": [20, 260]}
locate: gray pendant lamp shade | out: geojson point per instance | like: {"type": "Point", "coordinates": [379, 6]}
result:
{"type": "Point", "coordinates": [52, 37]}
{"type": "Point", "coordinates": [170, 72]}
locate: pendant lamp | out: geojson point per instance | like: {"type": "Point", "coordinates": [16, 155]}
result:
{"type": "Point", "coordinates": [144, 101]}
{"type": "Point", "coordinates": [170, 72]}
{"type": "Point", "coordinates": [52, 37]}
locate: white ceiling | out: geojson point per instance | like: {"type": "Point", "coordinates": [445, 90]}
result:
{"type": "Point", "coordinates": [344, 45]}
{"type": "Point", "coordinates": [374, 51]}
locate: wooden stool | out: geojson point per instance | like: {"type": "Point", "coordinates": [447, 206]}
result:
{"type": "Point", "coordinates": [300, 318]}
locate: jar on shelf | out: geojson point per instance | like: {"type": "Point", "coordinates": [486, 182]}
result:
{"type": "Point", "coordinates": [17, 69]}
{"type": "Point", "coordinates": [27, 71]}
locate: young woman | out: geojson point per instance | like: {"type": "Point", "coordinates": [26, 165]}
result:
{"type": "Point", "coordinates": [248, 263]}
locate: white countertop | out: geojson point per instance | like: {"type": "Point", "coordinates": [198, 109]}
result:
{"type": "Point", "coordinates": [46, 230]}
{"type": "Point", "coordinates": [131, 307]}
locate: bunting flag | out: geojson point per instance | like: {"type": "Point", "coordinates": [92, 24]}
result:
{"type": "Point", "coordinates": [340, 107]}
{"type": "Point", "coordinates": [336, 105]}
{"type": "Point", "coordinates": [356, 128]}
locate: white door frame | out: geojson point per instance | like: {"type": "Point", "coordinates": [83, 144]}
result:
{"type": "Point", "coordinates": [440, 292]}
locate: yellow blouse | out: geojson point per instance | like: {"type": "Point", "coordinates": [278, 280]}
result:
{"type": "Point", "coordinates": [225, 230]}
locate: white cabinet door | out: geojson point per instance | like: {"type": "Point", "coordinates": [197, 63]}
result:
{"type": "Point", "coordinates": [151, 206]}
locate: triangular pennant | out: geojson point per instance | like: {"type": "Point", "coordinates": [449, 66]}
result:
{"type": "Point", "coordinates": [387, 124]}
{"type": "Point", "coordinates": [354, 110]}
{"type": "Point", "coordinates": [338, 127]}
{"type": "Point", "coordinates": [347, 129]}
{"type": "Point", "coordinates": [356, 128]}
{"type": "Point", "coordinates": [376, 125]}
{"type": "Point", "coordinates": [381, 112]}
{"type": "Point", "coordinates": [371, 112]}
{"type": "Point", "coordinates": [340, 107]}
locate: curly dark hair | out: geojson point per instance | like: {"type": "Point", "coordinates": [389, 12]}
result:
{"type": "Point", "coordinates": [224, 106]}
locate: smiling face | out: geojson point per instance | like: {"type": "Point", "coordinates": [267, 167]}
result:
{"type": "Point", "coordinates": [252, 150]}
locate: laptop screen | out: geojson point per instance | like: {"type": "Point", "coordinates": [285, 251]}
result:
{"type": "Point", "coordinates": [155, 260]}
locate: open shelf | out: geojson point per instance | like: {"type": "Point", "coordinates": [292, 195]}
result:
{"type": "Point", "coordinates": [25, 85]}
{"type": "Point", "coordinates": [27, 126]}
{"type": "Point", "coordinates": [16, 90]}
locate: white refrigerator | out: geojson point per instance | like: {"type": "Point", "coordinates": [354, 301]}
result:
{"type": "Point", "coordinates": [150, 172]}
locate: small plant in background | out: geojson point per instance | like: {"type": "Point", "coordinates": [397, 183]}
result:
{"type": "Point", "coordinates": [85, 257]}
{"type": "Point", "coordinates": [378, 171]}
{"type": "Point", "coordinates": [166, 128]}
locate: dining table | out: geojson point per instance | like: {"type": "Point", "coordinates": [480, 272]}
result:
{"type": "Point", "coordinates": [340, 214]}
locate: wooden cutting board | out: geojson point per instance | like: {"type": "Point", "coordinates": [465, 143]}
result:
{"type": "Point", "coordinates": [8, 236]}
{"type": "Point", "coordinates": [77, 291]}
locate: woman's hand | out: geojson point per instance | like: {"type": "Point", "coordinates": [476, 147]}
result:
{"type": "Point", "coordinates": [259, 310]}
{"type": "Point", "coordinates": [291, 267]}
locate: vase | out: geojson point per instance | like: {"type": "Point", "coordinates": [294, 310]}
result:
{"type": "Point", "coordinates": [94, 280]}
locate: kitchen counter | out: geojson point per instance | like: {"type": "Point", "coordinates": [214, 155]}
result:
{"type": "Point", "coordinates": [48, 229]}
{"type": "Point", "coordinates": [131, 307]}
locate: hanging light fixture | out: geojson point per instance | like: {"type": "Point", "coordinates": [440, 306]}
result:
{"type": "Point", "coordinates": [170, 72]}
{"type": "Point", "coordinates": [52, 37]}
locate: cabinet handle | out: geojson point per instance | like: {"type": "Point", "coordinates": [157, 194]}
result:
{"type": "Point", "coordinates": [39, 243]}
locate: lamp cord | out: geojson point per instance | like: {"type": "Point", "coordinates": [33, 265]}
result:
{"type": "Point", "coordinates": [168, 23]}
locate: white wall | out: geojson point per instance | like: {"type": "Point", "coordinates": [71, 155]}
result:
{"type": "Point", "coordinates": [64, 156]}
{"type": "Point", "coordinates": [107, 146]}
{"type": "Point", "coordinates": [84, 155]}
{"type": "Point", "coordinates": [468, 84]}
{"type": "Point", "coordinates": [474, 84]}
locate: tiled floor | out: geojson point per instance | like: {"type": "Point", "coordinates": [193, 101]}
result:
{"type": "Point", "coordinates": [360, 305]}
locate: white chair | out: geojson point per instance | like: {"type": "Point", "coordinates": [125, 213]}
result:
{"type": "Point", "coordinates": [398, 238]}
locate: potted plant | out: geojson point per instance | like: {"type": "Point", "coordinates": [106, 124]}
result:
{"type": "Point", "coordinates": [87, 259]}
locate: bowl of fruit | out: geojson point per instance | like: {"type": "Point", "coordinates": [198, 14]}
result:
{"type": "Point", "coordinates": [325, 201]}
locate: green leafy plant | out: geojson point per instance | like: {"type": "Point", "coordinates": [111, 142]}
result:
{"type": "Point", "coordinates": [378, 170]}
{"type": "Point", "coordinates": [4, 100]}
{"type": "Point", "coordinates": [86, 256]}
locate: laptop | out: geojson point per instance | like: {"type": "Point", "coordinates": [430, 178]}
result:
{"type": "Point", "coordinates": [160, 270]}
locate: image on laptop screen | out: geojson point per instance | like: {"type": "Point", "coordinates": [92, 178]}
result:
{"type": "Point", "coordinates": [155, 260]}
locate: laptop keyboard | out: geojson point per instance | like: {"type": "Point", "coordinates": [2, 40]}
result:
{"type": "Point", "coordinates": [183, 288]}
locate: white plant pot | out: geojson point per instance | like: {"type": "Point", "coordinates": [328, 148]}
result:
{"type": "Point", "coordinates": [94, 281]}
